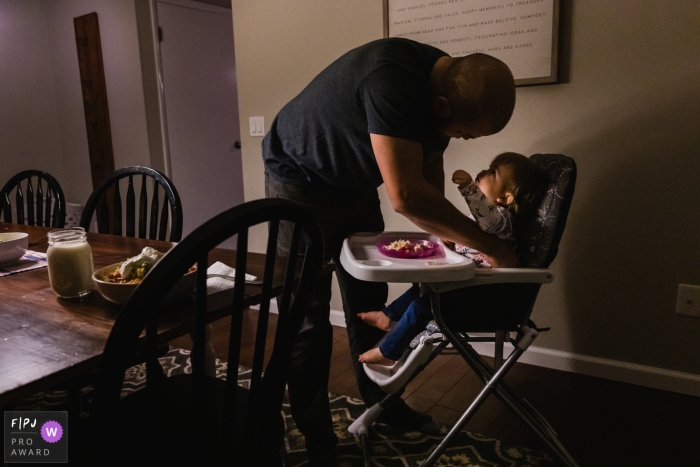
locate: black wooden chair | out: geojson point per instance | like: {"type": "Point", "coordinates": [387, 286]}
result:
{"type": "Point", "coordinates": [107, 201]}
{"type": "Point", "coordinates": [42, 204]}
{"type": "Point", "coordinates": [135, 220]}
{"type": "Point", "coordinates": [197, 419]}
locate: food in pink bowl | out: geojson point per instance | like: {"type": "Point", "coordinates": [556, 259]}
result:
{"type": "Point", "coordinates": [410, 248]}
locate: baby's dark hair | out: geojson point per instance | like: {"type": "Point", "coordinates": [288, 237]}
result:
{"type": "Point", "coordinates": [529, 181]}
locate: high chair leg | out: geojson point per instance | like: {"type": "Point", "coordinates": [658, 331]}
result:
{"type": "Point", "coordinates": [360, 426]}
{"type": "Point", "coordinates": [493, 381]}
{"type": "Point", "coordinates": [525, 412]}
{"type": "Point", "coordinates": [498, 350]}
{"type": "Point", "coordinates": [467, 415]}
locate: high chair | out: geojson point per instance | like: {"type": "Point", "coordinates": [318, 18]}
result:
{"type": "Point", "coordinates": [495, 303]}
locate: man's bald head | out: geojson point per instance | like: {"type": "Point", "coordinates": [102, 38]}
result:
{"type": "Point", "coordinates": [480, 89]}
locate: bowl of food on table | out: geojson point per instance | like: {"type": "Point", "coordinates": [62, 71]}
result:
{"type": "Point", "coordinates": [13, 245]}
{"type": "Point", "coordinates": [118, 281]}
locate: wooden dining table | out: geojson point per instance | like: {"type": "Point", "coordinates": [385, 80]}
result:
{"type": "Point", "coordinates": [46, 341]}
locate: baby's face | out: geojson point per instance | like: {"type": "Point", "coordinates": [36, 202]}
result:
{"type": "Point", "coordinates": [495, 184]}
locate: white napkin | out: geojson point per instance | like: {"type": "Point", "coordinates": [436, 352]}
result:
{"type": "Point", "coordinates": [217, 284]}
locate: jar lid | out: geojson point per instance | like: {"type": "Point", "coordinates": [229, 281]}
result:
{"type": "Point", "coordinates": [73, 234]}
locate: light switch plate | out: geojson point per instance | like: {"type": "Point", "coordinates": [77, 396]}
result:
{"type": "Point", "coordinates": [257, 126]}
{"type": "Point", "coordinates": [688, 302]}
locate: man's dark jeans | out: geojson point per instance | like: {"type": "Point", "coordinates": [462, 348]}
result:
{"type": "Point", "coordinates": [339, 216]}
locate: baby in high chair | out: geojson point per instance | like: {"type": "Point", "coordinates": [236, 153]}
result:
{"type": "Point", "coordinates": [512, 186]}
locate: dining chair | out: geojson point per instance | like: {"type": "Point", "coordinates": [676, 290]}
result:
{"type": "Point", "coordinates": [42, 204]}
{"type": "Point", "coordinates": [197, 419]}
{"type": "Point", "coordinates": [136, 219]}
{"type": "Point", "coordinates": [119, 214]}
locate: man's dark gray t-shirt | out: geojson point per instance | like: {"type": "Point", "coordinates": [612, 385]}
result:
{"type": "Point", "coordinates": [321, 137]}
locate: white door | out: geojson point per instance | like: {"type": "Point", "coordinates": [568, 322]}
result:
{"type": "Point", "coordinates": [201, 105]}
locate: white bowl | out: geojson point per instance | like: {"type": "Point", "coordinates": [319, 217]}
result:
{"type": "Point", "coordinates": [13, 245]}
{"type": "Point", "coordinates": [120, 293]}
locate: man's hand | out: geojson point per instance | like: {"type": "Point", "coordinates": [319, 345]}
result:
{"type": "Point", "coordinates": [461, 178]}
{"type": "Point", "coordinates": [504, 259]}
{"type": "Point", "coordinates": [401, 163]}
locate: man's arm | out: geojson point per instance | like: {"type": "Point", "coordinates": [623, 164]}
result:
{"type": "Point", "coordinates": [434, 173]}
{"type": "Point", "coordinates": [401, 164]}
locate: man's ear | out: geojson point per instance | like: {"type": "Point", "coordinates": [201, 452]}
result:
{"type": "Point", "coordinates": [441, 108]}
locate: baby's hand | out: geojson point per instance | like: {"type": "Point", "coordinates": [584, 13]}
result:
{"type": "Point", "coordinates": [461, 178]}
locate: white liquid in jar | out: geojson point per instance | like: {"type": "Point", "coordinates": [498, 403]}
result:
{"type": "Point", "coordinates": [70, 268]}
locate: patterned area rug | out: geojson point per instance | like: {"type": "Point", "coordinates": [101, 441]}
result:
{"type": "Point", "coordinates": [389, 448]}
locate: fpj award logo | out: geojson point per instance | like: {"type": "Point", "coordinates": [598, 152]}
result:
{"type": "Point", "coordinates": [33, 437]}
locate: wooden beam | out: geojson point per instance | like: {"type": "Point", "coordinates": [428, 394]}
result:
{"type": "Point", "coordinates": [92, 81]}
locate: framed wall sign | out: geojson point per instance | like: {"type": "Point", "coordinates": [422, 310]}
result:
{"type": "Point", "coordinates": [522, 33]}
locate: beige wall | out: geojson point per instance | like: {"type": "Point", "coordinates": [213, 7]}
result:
{"type": "Point", "coordinates": [120, 55]}
{"type": "Point", "coordinates": [29, 137]}
{"type": "Point", "coordinates": [284, 45]}
{"type": "Point", "coordinates": [630, 117]}
{"type": "Point", "coordinates": [42, 120]}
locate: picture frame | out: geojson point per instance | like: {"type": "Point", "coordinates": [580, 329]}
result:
{"type": "Point", "coordinates": [522, 33]}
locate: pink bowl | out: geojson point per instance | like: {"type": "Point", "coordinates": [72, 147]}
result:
{"type": "Point", "coordinates": [430, 249]}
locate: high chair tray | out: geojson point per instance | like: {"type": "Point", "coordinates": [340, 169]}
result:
{"type": "Point", "coordinates": [362, 258]}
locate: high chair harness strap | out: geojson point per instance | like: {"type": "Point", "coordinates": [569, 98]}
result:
{"type": "Point", "coordinates": [532, 325]}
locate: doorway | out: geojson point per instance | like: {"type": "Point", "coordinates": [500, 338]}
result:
{"type": "Point", "coordinates": [198, 70]}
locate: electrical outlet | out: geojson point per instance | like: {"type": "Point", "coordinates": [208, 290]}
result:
{"type": "Point", "coordinates": [688, 302]}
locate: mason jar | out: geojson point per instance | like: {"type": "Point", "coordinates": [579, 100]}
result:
{"type": "Point", "coordinates": [69, 260]}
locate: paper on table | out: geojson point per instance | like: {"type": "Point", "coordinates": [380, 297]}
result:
{"type": "Point", "coordinates": [30, 260]}
{"type": "Point", "coordinates": [217, 284]}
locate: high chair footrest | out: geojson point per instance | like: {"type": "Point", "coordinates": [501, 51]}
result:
{"type": "Point", "coordinates": [392, 378]}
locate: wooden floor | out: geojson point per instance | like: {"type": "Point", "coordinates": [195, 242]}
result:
{"type": "Point", "coordinates": [601, 422]}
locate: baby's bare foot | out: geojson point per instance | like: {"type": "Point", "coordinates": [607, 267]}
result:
{"type": "Point", "coordinates": [376, 319]}
{"type": "Point", "coordinates": [376, 357]}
